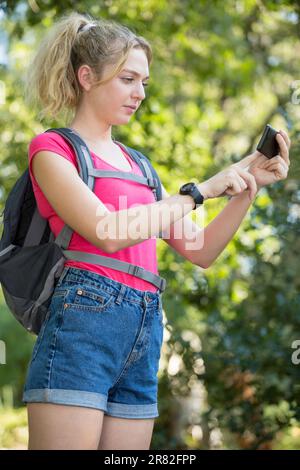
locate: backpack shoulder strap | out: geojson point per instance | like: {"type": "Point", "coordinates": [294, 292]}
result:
{"type": "Point", "coordinates": [155, 176]}
{"type": "Point", "coordinates": [85, 164]}
{"type": "Point", "coordinates": [147, 169]}
{"type": "Point", "coordinates": [82, 153]}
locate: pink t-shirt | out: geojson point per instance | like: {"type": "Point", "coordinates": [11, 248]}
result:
{"type": "Point", "coordinates": [108, 190]}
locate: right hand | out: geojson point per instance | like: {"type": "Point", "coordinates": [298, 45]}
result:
{"type": "Point", "coordinates": [231, 181]}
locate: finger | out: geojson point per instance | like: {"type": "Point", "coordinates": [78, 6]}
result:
{"type": "Point", "coordinates": [281, 172]}
{"type": "Point", "coordinates": [242, 183]}
{"type": "Point", "coordinates": [284, 151]}
{"type": "Point", "coordinates": [246, 161]}
{"type": "Point", "coordinates": [280, 169]}
{"type": "Point", "coordinates": [286, 138]}
{"type": "Point", "coordinates": [258, 163]}
{"type": "Point", "coordinates": [250, 181]}
{"type": "Point", "coordinates": [234, 186]}
{"type": "Point", "coordinates": [276, 159]}
{"type": "Point", "coordinates": [283, 162]}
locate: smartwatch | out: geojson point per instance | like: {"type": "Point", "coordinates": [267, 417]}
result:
{"type": "Point", "coordinates": [192, 190]}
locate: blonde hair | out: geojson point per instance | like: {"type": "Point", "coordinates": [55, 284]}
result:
{"type": "Point", "coordinates": [51, 81]}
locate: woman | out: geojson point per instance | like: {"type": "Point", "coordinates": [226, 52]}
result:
{"type": "Point", "coordinates": [92, 380]}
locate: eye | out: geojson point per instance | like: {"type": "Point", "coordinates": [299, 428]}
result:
{"type": "Point", "coordinates": [131, 79]}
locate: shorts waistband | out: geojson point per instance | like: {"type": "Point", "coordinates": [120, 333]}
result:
{"type": "Point", "coordinates": [118, 289]}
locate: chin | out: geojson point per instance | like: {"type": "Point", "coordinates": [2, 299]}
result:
{"type": "Point", "coordinates": [120, 121]}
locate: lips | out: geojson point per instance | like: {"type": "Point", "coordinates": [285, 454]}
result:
{"type": "Point", "coordinates": [132, 107]}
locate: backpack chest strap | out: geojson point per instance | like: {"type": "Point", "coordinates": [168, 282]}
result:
{"type": "Point", "coordinates": [124, 175]}
{"type": "Point", "coordinates": [113, 263]}
{"type": "Point", "coordinates": [63, 240]}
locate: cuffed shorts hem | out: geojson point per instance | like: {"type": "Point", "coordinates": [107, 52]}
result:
{"type": "Point", "coordinates": [122, 410]}
{"type": "Point", "coordinates": [90, 400]}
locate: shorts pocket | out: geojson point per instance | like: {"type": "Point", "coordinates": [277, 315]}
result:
{"type": "Point", "coordinates": [57, 296]}
{"type": "Point", "coordinates": [89, 298]}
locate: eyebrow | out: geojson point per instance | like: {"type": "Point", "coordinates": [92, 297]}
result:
{"type": "Point", "coordinates": [134, 73]}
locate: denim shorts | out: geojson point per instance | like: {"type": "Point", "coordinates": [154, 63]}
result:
{"type": "Point", "coordinates": [99, 347]}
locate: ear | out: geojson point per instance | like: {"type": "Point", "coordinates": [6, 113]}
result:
{"type": "Point", "coordinates": [85, 77]}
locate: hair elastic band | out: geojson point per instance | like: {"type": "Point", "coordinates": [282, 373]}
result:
{"type": "Point", "coordinates": [86, 27]}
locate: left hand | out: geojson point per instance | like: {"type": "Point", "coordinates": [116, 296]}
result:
{"type": "Point", "coordinates": [267, 171]}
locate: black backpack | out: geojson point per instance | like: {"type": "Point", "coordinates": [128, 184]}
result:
{"type": "Point", "coordinates": [32, 259]}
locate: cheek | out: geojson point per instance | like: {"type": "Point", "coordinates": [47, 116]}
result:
{"type": "Point", "coordinates": [111, 99]}
{"type": "Point", "coordinates": [120, 90]}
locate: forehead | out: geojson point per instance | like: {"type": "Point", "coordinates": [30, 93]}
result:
{"type": "Point", "coordinates": [137, 63]}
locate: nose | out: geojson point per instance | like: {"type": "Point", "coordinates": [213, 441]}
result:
{"type": "Point", "coordinates": [139, 92]}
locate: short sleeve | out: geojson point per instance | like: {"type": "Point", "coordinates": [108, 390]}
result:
{"type": "Point", "coordinates": [51, 142]}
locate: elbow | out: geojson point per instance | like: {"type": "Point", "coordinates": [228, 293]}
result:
{"type": "Point", "coordinates": [107, 246]}
{"type": "Point", "coordinates": [110, 248]}
{"type": "Point", "coordinates": [207, 266]}
{"type": "Point", "coordinates": [203, 265]}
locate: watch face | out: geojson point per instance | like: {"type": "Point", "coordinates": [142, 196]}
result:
{"type": "Point", "coordinates": [192, 190]}
{"type": "Point", "coordinates": [187, 186]}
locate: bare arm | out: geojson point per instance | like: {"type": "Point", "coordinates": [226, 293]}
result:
{"type": "Point", "coordinates": [209, 242]}
{"type": "Point", "coordinates": [83, 211]}
{"type": "Point", "coordinates": [222, 229]}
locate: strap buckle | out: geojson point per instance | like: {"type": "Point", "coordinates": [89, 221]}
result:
{"type": "Point", "coordinates": [163, 284]}
{"type": "Point", "coordinates": [152, 183]}
{"type": "Point", "coordinates": [136, 270]}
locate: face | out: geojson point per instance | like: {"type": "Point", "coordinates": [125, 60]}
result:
{"type": "Point", "coordinates": [109, 102]}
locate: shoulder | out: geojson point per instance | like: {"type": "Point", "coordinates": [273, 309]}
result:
{"type": "Point", "coordinates": [48, 139]}
{"type": "Point", "coordinates": [51, 142]}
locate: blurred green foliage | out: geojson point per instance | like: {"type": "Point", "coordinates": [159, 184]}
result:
{"type": "Point", "coordinates": [18, 346]}
{"type": "Point", "coordinates": [13, 429]}
{"type": "Point", "coordinates": [221, 71]}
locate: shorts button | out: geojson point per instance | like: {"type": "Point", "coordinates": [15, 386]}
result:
{"type": "Point", "coordinates": [65, 305]}
{"type": "Point", "coordinates": [79, 291]}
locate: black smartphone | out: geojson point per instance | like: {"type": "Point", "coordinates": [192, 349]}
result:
{"type": "Point", "coordinates": [268, 144]}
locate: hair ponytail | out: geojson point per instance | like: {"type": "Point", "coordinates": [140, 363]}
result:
{"type": "Point", "coordinates": [51, 81]}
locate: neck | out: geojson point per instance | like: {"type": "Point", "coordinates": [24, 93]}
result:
{"type": "Point", "coordinates": [90, 129]}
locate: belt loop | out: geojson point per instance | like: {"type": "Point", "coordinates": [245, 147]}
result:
{"type": "Point", "coordinates": [121, 294]}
